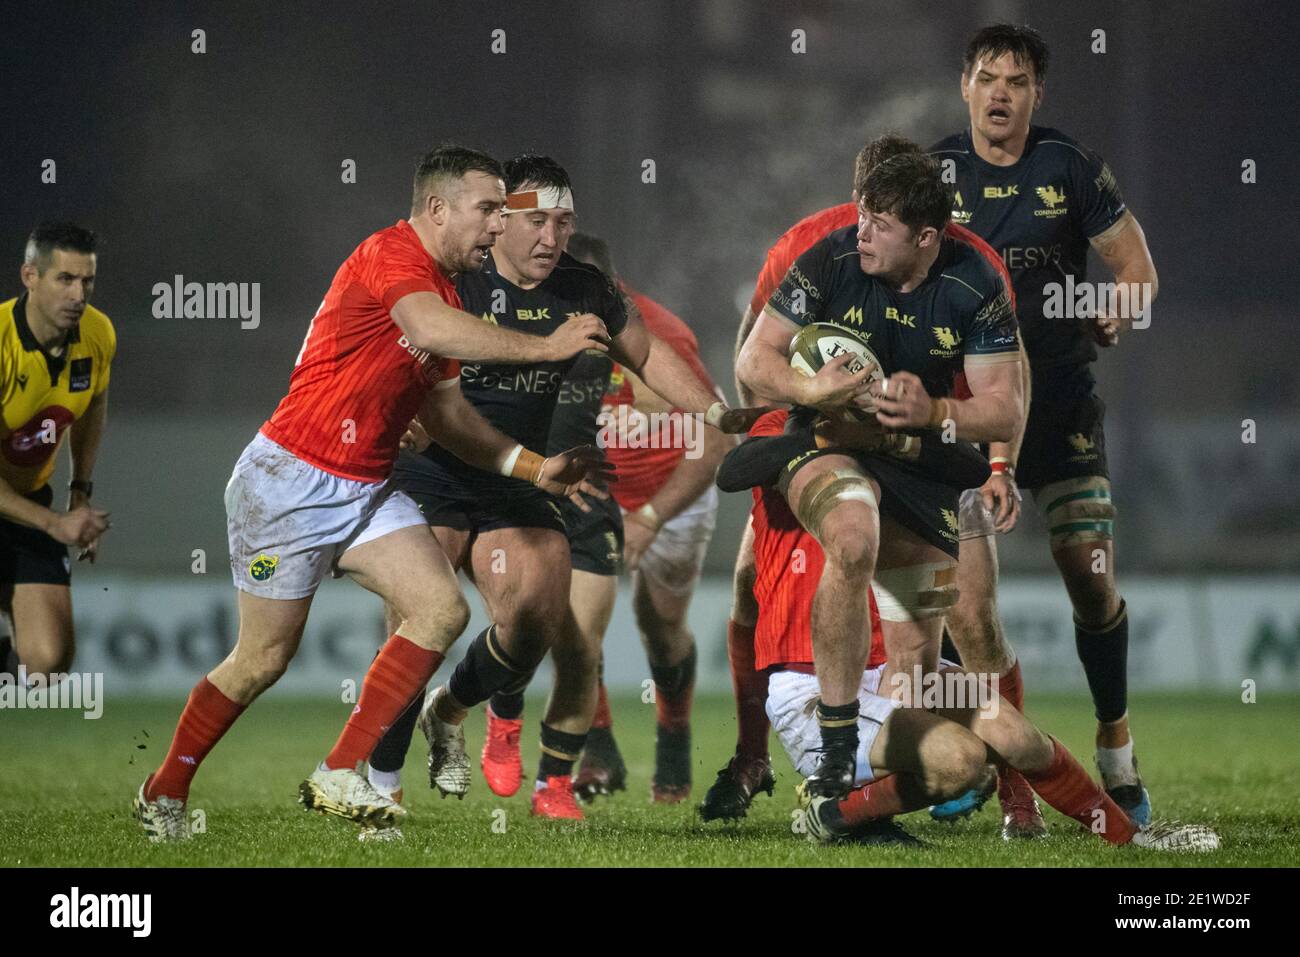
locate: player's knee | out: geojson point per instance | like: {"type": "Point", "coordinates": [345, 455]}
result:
{"type": "Point", "coordinates": [848, 545]}
{"type": "Point", "coordinates": [440, 622]}
{"type": "Point", "coordinates": [960, 762]}
{"type": "Point", "coordinates": [53, 658]}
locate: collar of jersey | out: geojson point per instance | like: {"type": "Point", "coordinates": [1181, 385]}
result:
{"type": "Point", "coordinates": [28, 338]}
{"type": "Point", "coordinates": [993, 169]}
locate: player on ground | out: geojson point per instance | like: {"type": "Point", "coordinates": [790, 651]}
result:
{"type": "Point", "coordinates": [56, 351]}
{"type": "Point", "coordinates": [515, 547]}
{"type": "Point", "coordinates": [1041, 199]}
{"type": "Point", "coordinates": [669, 509]}
{"type": "Point", "coordinates": [907, 758]}
{"type": "Point", "coordinates": [312, 495]}
{"type": "Point", "coordinates": [928, 307]}
{"type": "Point", "coordinates": [994, 507]}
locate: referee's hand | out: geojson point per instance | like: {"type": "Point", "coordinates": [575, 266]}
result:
{"type": "Point", "coordinates": [80, 526]}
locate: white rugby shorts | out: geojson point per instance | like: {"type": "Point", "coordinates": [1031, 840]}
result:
{"type": "Point", "coordinates": [288, 522]}
{"type": "Point", "coordinates": [674, 558]}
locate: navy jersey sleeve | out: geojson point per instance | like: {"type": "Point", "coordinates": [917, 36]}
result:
{"type": "Point", "coordinates": [612, 307]}
{"type": "Point", "coordinates": [993, 331]}
{"type": "Point", "coordinates": [801, 297]}
{"type": "Point", "coordinates": [1099, 202]}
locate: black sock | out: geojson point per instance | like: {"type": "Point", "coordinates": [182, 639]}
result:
{"type": "Point", "coordinates": [839, 726]}
{"type": "Point", "coordinates": [1104, 654]}
{"type": "Point", "coordinates": [559, 750]}
{"type": "Point", "coordinates": [390, 753]}
{"type": "Point", "coordinates": [485, 670]}
{"type": "Point", "coordinates": [672, 757]}
{"type": "Point", "coordinates": [508, 705]}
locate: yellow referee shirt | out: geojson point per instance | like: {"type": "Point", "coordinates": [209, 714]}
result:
{"type": "Point", "coordinates": [40, 396]}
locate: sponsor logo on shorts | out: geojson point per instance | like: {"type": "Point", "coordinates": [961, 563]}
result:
{"type": "Point", "coordinates": [1084, 447]}
{"type": "Point", "coordinates": [611, 542]}
{"type": "Point", "coordinates": [949, 518]}
{"type": "Point", "coordinates": [263, 567]}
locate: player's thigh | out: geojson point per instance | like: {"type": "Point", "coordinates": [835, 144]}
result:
{"type": "Point", "coordinates": [409, 570]}
{"type": "Point", "coordinates": [837, 503]}
{"type": "Point", "coordinates": [524, 575]}
{"type": "Point", "coordinates": [591, 598]}
{"type": "Point", "coordinates": [42, 621]}
{"type": "Point", "coordinates": [919, 742]}
{"type": "Point", "coordinates": [670, 567]}
{"type": "Point", "coordinates": [269, 631]}
{"type": "Point", "coordinates": [455, 544]}
{"type": "Point", "coordinates": [977, 576]}
{"type": "Point", "coordinates": [744, 607]}
{"type": "Point", "coordinates": [915, 585]}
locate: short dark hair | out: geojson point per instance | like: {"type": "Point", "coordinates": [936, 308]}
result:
{"type": "Point", "coordinates": [592, 249]}
{"type": "Point", "coordinates": [537, 170]}
{"type": "Point", "coordinates": [1024, 43]}
{"type": "Point", "coordinates": [49, 236]}
{"type": "Point", "coordinates": [449, 162]}
{"type": "Point", "coordinates": [909, 186]}
{"type": "Point", "coordinates": [876, 152]}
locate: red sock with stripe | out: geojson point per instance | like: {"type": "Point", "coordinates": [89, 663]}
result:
{"type": "Point", "coordinates": [1066, 786]}
{"type": "Point", "coordinates": [750, 689]}
{"type": "Point", "coordinates": [603, 718]}
{"type": "Point", "coordinates": [207, 716]}
{"type": "Point", "coordinates": [895, 794]}
{"type": "Point", "coordinates": [395, 677]}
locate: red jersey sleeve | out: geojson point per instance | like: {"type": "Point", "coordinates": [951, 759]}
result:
{"type": "Point", "coordinates": [400, 268]}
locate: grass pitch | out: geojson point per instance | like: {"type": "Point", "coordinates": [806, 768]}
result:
{"type": "Point", "coordinates": [66, 786]}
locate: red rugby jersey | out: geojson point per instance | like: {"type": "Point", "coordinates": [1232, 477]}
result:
{"type": "Point", "coordinates": [789, 566]}
{"type": "Point", "coordinates": [642, 472]}
{"type": "Point", "coordinates": [358, 382]}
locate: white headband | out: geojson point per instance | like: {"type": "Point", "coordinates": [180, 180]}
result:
{"type": "Point", "coordinates": [548, 197]}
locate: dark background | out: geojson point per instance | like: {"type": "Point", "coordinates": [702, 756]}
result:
{"type": "Point", "coordinates": [225, 167]}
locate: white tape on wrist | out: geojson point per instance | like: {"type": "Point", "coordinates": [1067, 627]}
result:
{"type": "Point", "coordinates": [715, 413]}
{"type": "Point", "coordinates": [508, 467]}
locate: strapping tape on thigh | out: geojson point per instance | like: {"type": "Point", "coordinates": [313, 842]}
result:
{"type": "Point", "coordinates": [916, 592]}
{"type": "Point", "coordinates": [1080, 511]}
{"type": "Point", "coordinates": [828, 490]}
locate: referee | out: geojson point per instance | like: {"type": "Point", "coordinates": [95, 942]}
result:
{"type": "Point", "coordinates": [55, 354]}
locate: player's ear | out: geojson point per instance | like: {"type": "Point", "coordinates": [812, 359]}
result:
{"type": "Point", "coordinates": [30, 274]}
{"type": "Point", "coordinates": [965, 92]}
{"type": "Point", "coordinates": [1038, 95]}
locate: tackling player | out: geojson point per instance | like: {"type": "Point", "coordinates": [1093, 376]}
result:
{"type": "Point", "coordinates": [884, 507]}
{"type": "Point", "coordinates": [56, 353]}
{"type": "Point", "coordinates": [312, 495]}
{"type": "Point", "coordinates": [517, 548]}
{"type": "Point", "coordinates": [992, 508]}
{"type": "Point", "coordinates": [669, 507]}
{"type": "Point", "coordinates": [1042, 199]}
{"type": "Point", "coordinates": [907, 758]}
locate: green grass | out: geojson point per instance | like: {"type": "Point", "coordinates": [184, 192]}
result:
{"type": "Point", "coordinates": [66, 786]}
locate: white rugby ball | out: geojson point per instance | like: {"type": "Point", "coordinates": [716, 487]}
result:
{"type": "Point", "coordinates": [819, 342]}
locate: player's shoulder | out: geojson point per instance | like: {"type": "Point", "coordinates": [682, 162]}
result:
{"type": "Point", "coordinates": [969, 270]}
{"type": "Point", "coordinates": [97, 328]}
{"type": "Point", "coordinates": [1048, 144]}
{"type": "Point", "coordinates": [398, 241]}
{"type": "Point", "coordinates": [7, 311]}
{"type": "Point", "coordinates": [957, 146]}
{"type": "Point", "coordinates": [577, 277]}
{"type": "Point", "coordinates": [814, 227]}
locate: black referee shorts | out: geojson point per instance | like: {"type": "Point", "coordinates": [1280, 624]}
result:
{"type": "Point", "coordinates": [28, 556]}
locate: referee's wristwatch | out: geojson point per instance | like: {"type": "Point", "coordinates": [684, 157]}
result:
{"type": "Point", "coordinates": [77, 485]}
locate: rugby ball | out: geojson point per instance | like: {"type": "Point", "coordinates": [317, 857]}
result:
{"type": "Point", "coordinates": [819, 342]}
